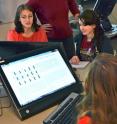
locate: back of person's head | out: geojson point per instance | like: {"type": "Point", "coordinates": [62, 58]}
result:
{"type": "Point", "coordinates": [18, 26]}
{"type": "Point", "coordinates": [101, 90]}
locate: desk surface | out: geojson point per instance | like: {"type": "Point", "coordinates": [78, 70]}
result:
{"type": "Point", "coordinates": [9, 115]}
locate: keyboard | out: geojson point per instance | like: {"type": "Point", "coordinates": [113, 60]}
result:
{"type": "Point", "coordinates": [65, 112]}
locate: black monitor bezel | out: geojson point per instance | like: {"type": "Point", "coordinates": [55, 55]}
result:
{"type": "Point", "coordinates": [54, 97]}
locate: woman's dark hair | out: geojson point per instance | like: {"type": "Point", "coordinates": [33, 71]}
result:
{"type": "Point", "coordinates": [18, 26]}
{"type": "Point", "coordinates": [89, 17]}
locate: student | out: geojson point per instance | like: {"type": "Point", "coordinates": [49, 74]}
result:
{"type": "Point", "coordinates": [54, 16]}
{"type": "Point", "coordinates": [99, 105]}
{"type": "Point", "coordinates": [92, 38]}
{"type": "Point", "coordinates": [26, 27]}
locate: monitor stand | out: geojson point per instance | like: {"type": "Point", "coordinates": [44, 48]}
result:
{"type": "Point", "coordinates": [113, 32]}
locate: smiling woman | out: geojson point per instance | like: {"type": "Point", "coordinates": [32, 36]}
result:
{"type": "Point", "coordinates": [91, 40]}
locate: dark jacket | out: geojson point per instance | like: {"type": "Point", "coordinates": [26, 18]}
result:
{"type": "Point", "coordinates": [104, 46]}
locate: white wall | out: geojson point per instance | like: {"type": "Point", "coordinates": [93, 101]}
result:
{"type": "Point", "coordinates": [8, 9]}
{"type": "Point", "coordinates": [4, 29]}
{"type": "Point", "coordinates": [113, 15]}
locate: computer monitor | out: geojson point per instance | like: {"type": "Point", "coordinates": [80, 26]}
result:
{"type": "Point", "coordinates": [12, 48]}
{"type": "Point", "coordinates": [38, 79]}
{"type": "Point", "coordinates": [104, 9]}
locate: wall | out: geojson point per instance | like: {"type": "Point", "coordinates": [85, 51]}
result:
{"type": "Point", "coordinates": [113, 16]}
{"type": "Point", "coordinates": [8, 9]}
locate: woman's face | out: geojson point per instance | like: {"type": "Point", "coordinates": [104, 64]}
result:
{"type": "Point", "coordinates": [26, 18]}
{"type": "Point", "coordinates": [86, 29]}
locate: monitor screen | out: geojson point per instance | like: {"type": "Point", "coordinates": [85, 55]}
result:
{"type": "Point", "coordinates": [29, 77]}
{"type": "Point", "coordinates": [39, 77]}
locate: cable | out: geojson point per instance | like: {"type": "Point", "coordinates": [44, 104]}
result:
{"type": "Point", "coordinates": [1, 100]}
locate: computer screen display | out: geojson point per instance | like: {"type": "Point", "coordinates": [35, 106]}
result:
{"type": "Point", "coordinates": [38, 79]}
{"type": "Point", "coordinates": [36, 76]}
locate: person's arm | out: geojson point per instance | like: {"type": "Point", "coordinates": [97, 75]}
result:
{"type": "Point", "coordinates": [106, 46]}
{"type": "Point", "coordinates": [11, 35]}
{"type": "Point", "coordinates": [33, 4]}
{"type": "Point", "coordinates": [47, 27]}
{"type": "Point", "coordinates": [74, 60]}
{"type": "Point", "coordinates": [78, 39]}
{"type": "Point", "coordinates": [43, 35]}
{"type": "Point", "coordinates": [73, 7]}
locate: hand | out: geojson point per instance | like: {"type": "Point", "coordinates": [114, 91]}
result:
{"type": "Point", "coordinates": [47, 27]}
{"type": "Point", "coordinates": [74, 60]}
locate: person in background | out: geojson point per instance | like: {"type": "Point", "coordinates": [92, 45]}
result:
{"type": "Point", "coordinates": [91, 40]}
{"type": "Point", "coordinates": [99, 105]}
{"type": "Point", "coordinates": [26, 27]}
{"type": "Point", "coordinates": [54, 17]}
